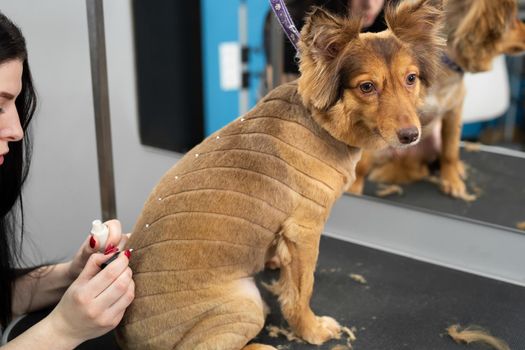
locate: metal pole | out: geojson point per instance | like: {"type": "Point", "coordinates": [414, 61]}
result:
{"type": "Point", "coordinates": [99, 76]}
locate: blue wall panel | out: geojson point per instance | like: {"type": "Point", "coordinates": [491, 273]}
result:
{"type": "Point", "coordinates": [257, 11]}
{"type": "Point", "coordinates": [220, 24]}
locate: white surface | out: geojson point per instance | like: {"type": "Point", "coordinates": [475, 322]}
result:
{"type": "Point", "coordinates": [479, 249]}
{"type": "Point", "coordinates": [230, 65]}
{"type": "Point", "coordinates": [62, 194]}
{"type": "Point", "coordinates": [137, 167]}
{"type": "Point", "coordinates": [100, 233]}
{"type": "Point", "coordinates": [488, 93]}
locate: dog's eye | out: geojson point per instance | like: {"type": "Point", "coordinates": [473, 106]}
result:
{"type": "Point", "coordinates": [411, 79]}
{"type": "Point", "coordinates": [367, 87]}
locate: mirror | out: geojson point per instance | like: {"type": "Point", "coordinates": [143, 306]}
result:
{"type": "Point", "coordinates": [231, 69]}
{"type": "Point", "coordinates": [493, 141]}
{"type": "Point", "coordinates": [492, 153]}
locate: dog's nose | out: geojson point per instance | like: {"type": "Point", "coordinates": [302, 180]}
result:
{"type": "Point", "coordinates": [407, 135]}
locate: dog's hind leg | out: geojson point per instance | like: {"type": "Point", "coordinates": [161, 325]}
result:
{"type": "Point", "coordinates": [452, 170]}
{"type": "Point", "coordinates": [401, 170]}
{"type": "Point", "coordinates": [231, 324]}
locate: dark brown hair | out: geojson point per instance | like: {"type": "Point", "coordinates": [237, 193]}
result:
{"type": "Point", "coordinates": [14, 171]}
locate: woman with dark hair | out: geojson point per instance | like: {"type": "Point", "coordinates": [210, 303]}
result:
{"type": "Point", "coordinates": [90, 301]}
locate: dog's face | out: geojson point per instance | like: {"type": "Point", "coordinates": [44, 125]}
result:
{"type": "Point", "coordinates": [513, 41]}
{"type": "Point", "coordinates": [365, 89]}
{"type": "Point", "coordinates": [480, 30]}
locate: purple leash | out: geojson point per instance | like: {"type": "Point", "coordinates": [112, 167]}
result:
{"type": "Point", "coordinates": [286, 22]}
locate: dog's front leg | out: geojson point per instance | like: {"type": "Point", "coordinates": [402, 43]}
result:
{"type": "Point", "coordinates": [452, 170]}
{"type": "Point", "coordinates": [297, 249]}
{"type": "Point", "coordinates": [362, 170]}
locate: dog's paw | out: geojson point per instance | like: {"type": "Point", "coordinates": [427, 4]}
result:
{"type": "Point", "coordinates": [395, 172]}
{"type": "Point", "coordinates": [452, 183]}
{"type": "Point", "coordinates": [460, 166]}
{"type": "Point", "coordinates": [321, 330]}
{"type": "Point", "coordinates": [357, 187]}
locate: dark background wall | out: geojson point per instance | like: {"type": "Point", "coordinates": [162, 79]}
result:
{"type": "Point", "coordinates": [169, 73]}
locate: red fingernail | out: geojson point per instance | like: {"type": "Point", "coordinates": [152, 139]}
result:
{"type": "Point", "coordinates": [108, 252]}
{"type": "Point", "coordinates": [127, 253]}
{"type": "Point", "coordinates": [92, 242]}
{"type": "Point", "coordinates": [111, 249]}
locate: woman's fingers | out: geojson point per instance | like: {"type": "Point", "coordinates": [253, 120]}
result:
{"type": "Point", "coordinates": [119, 307]}
{"type": "Point", "coordinates": [106, 277]}
{"type": "Point", "coordinates": [123, 240]}
{"type": "Point", "coordinates": [119, 294]}
{"type": "Point", "coordinates": [116, 238]}
{"type": "Point", "coordinates": [117, 310]}
{"type": "Point", "coordinates": [89, 246]}
{"type": "Point", "coordinates": [115, 234]}
{"type": "Point", "coordinates": [92, 267]}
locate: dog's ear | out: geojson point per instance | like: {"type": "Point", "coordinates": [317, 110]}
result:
{"type": "Point", "coordinates": [477, 28]}
{"type": "Point", "coordinates": [323, 38]}
{"type": "Point", "coordinates": [325, 34]}
{"type": "Point", "coordinates": [419, 24]}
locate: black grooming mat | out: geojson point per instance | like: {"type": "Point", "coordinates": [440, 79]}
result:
{"type": "Point", "coordinates": [498, 179]}
{"type": "Point", "coordinates": [405, 304]}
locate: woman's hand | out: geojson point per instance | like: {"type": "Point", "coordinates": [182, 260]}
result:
{"type": "Point", "coordinates": [95, 302]}
{"type": "Point", "coordinates": [116, 239]}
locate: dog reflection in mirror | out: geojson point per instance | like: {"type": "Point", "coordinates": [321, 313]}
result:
{"type": "Point", "coordinates": [477, 32]}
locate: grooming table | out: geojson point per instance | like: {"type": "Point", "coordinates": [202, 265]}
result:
{"type": "Point", "coordinates": [406, 304]}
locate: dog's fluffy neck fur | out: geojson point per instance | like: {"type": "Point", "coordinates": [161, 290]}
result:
{"type": "Point", "coordinates": [291, 93]}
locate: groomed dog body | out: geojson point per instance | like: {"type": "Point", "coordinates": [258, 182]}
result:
{"type": "Point", "coordinates": [264, 185]}
{"type": "Point", "coordinates": [478, 31]}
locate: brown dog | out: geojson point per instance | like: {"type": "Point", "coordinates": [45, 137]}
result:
{"type": "Point", "coordinates": [478, 31]}
{"type": "Point", "coordinates": [264, 185]}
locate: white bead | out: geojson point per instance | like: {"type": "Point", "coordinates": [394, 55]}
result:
{"type": "Point", "coordinates": [160, 198]}
{"type": "Point", "coordinates": [218, 137]}
{"type": "Point", "coordinates": [147, 225]}
{"type": "Point", "coordinates": [196, 155]}
{"type": "Point", "coordinates": [176, 177]}
{"type": "Point", "coordinates": [242, 119]}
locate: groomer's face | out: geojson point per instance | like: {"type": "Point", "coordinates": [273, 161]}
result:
{"type": "Point", "coordinates": [370, 9]}
{"type": "Point", "coordinates": [10, 86]}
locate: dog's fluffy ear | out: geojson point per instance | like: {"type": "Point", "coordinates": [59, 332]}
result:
{"type": "Point", "coordinates": [419, 24]}
{"type": "Point", "coordinates": [323, 38]}
{"type": "Point", "coordinates": [325, 34]}
{"type": "Point", "coordinates": [478, 26]}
